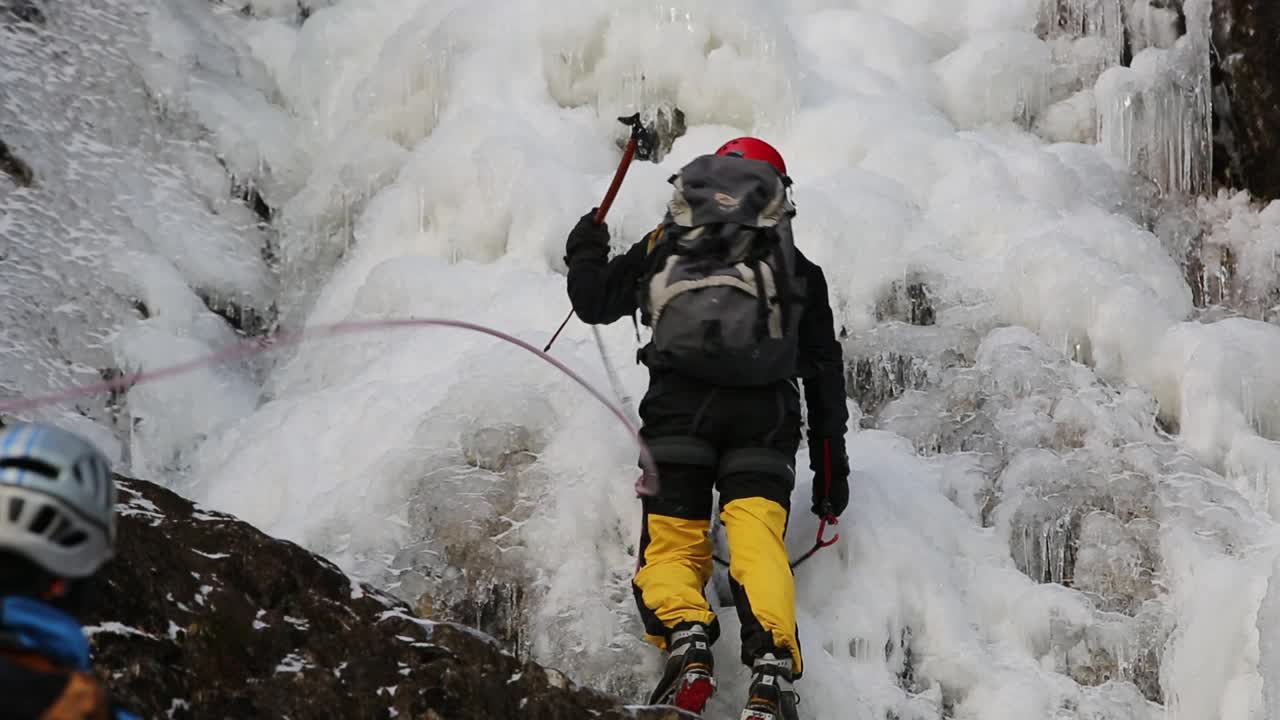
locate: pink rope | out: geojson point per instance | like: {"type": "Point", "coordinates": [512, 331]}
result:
{"type": "Point", "coordinates": [646, 484]}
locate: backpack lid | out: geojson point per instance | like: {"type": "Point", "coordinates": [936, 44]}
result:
{"type": "Point", "coordinates": [728, 189]}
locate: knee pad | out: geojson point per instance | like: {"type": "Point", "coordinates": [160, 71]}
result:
{"type": "Point", "coordinates": [683, 450]}
{"type": "Point", "coordinates": [758, 461]}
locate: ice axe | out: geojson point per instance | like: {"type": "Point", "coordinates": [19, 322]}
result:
{"type": "Point", "coordinates": [638, 141]}
{"type": "Point", "coordinates": [641, 139]}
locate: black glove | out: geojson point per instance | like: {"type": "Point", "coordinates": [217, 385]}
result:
{"type": "Point", "coordinates": [587, 239]}
{"type": "Point", "coordinates": [830, 493]}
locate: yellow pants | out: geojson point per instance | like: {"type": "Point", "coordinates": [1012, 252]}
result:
{"type": "Point", "coordinates": [675, 566]}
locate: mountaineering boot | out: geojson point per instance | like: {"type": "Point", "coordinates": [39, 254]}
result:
{"type": "Point", "coordinates": [688, 681]}
{"type": "Point", "coordinates": [772, 697]}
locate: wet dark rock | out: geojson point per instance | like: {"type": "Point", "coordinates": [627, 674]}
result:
{"type": "Point", "coordinates": [21, 11]}
{"type": "Point", "coordinates": [141, 307]}
{"type": "Point", "coordinates": [499, 448]}
{"type": "Point", "coordinates": [494, 607]}
{"type": "Point", "coordinates": [117, 399]}
{"type": "Point", "coordinates": [203, 616]}
{"type": "Point", "coordinates": [907, 300]}
{"type": "Point", "coordinates": [1084, 526]}
{"type": "Point", "coordinates": [15, 167]}
{"type": "Point", "coordinates": [1209, 269]}
{"type": "Point", "coordinates": [306, 8]}
{"type": "Point", "coordinates": [1092, 663]}
{"type": "Point", "coordinates": [901, 654]}
{"type": "Point", "coordinates": [299, 13]}
{"type": "Point", "coordinates": [1214, 244]}
{"type": "Point", "coordinates": [245, 320]}
{"type": "Point", "coordinates": [1246, 94]}
{"type": "Point", "coordinates": [662, 125]}
{"type": "Point", "coordinates": [894, 357]}
{"type": "Point", "coordinates": [461, 569]}
{"type": "Point", "coordinates": [248, 193]}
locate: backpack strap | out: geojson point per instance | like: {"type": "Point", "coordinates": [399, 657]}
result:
{"type": "Point", "coordinates": [654, 237]}
{"type": "Point", "coordinates": [762, 301]}
{"type": "Point", "coordinates": [786, 285]}
{"type": "Point", "coordinates": [754, 281]}
{"type": "Point", "coordinates": [652, 240]}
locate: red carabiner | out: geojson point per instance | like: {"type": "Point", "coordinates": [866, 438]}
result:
{"type": "Point", "coordinates": [822, 527]}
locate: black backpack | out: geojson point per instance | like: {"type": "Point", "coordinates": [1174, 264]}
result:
{"type": "Point", "coordinates": [723, 299]}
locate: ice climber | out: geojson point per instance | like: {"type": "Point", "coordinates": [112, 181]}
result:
{"type": "Point", "coordinates": [739, 317]}
{"type": "Point", "coordinates": [57, 527]}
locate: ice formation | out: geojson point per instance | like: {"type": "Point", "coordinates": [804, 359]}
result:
{"type": "Point", "coordinates": [1065, 493]}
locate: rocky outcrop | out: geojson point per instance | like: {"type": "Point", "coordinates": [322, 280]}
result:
{"type": "Point", "coordinates": [1246, 93]}
{"type": "Point", "coordinates": [663, 125]}
{"type": "Point", "coordinates": [242, 317]}
{"type": "Point", "coordinates": [203, 616]}
{"type": "Point", "coordinates": [21, 11]}
{"type": "Point", "coordinates": [906, 350]}
{"type": "Point", "coordinates": [1225, 246]}
{"type": "Point", "coordinates": [894, 357]}
{"type": "Point", "coordinates": [15, 167]}
{"type": "Point", "coordinates": [297, 11]}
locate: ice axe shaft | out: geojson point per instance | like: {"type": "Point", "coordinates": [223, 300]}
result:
{"type": "Point", "coordinates": [558, 330]}
{"type": "Point", "coordinates": [628, 154]}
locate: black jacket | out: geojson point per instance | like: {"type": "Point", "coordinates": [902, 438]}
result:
{"type": "Point", "coordinates": [604, 291]}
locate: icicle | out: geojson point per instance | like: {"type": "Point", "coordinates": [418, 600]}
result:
{"type": "Point", "coordinates": [1197, 159]}
{"type": "Point", "coordinates": [1102, 19]}
{"type": "Point", "coordinates": [1156, 116]}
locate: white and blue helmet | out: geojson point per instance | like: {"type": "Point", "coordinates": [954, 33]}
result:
{"type": "Point", "coordinates": [57, 500]}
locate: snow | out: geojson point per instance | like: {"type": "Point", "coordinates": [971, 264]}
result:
{"type": "Point", "coordinates": [115, 628]}
{"type": "Point", "coordinates": [995, 77]}
{"type": "Point", "coordinates": [292, 663]}
{"type": "Point", "coordinates": [211, 556]}
{"type": "Point", "coordinates": [127, 225]}
{"type": "Point", "coordinates": [177, 704]}
{"type": "Point", "coordinates": [137, 506]}
{"type": "Point", "coordinates": [1025, 537]}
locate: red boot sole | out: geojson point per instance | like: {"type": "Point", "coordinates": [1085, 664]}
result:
{"type": "Point", "coordinates": [694, 694]}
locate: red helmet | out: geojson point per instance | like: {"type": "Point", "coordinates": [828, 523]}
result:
{"type": "Point", "coordinates": [754, 149]}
